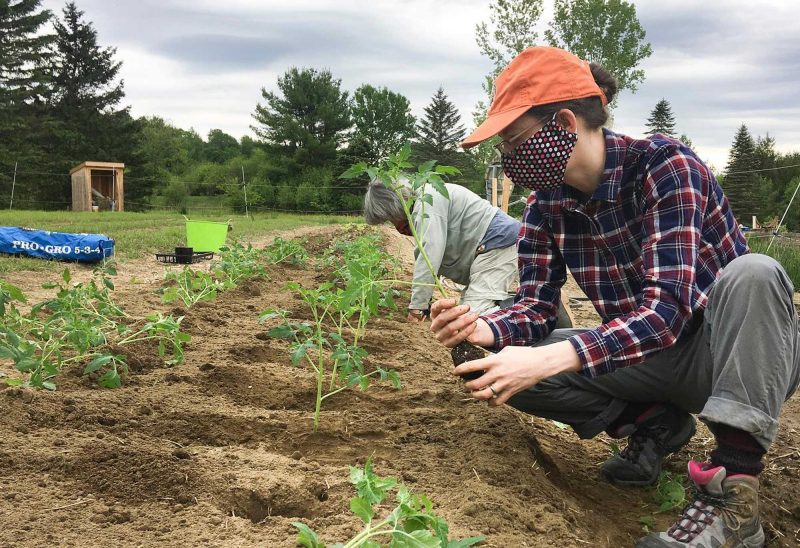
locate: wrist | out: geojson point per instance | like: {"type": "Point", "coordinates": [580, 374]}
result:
{"type": "Point", "coordinates": [483, 334]}
{"type": "Point", "coordinates": [566, 359]}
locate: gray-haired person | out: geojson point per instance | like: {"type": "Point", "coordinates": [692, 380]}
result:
{"type": "Point", "coordinates": [466, 239]}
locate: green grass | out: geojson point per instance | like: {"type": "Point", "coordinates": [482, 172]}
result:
{"type": "Point", "coordinates": [140, 234]}
{"type": "Point", "coordinates": [198, 205]}
{"type": "Point", "coordinates": [785, 253]}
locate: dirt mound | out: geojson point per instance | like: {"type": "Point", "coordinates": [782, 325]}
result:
{"type": "Point", "coordinates": [219, 451]}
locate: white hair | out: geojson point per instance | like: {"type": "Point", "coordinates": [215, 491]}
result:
{"type": "Point", "coordinates": [382, 204]}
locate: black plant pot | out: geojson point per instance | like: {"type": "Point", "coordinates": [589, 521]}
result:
{"type": "Point", "coordinates": [183, 255]}
{"type": "Point", "coordinates": [465, 352]}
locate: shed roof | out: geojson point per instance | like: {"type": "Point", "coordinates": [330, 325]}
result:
{"type": "Point", "coordinates": [96, 165]}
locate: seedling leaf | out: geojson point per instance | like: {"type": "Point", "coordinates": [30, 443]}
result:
{"type": "Point", "coordinates": [97, 363]}
{"type": "Point", "coordinates": [370, 487]}
{"type": "Point", "coordinates": [362, 509]}
{"type": "Point", "coordinates": [306, 537]}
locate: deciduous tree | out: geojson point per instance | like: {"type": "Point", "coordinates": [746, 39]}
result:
{"type": "Point", "coordinates": [383, 122]}
{"type": "Point", "coordinates": [606, 32]}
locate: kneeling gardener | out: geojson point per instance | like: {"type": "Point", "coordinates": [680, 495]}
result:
{"type": "Point", "coordinates": [466, 239]}
{"type": "Point", "coordinates": [692, 321]}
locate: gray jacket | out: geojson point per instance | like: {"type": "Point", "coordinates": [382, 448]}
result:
{"type": "Point", "coordinates": [451, 232]}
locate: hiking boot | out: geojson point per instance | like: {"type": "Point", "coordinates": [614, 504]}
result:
{"type": "Point", "coordinates": [659, 431]}
{"type": "Point", "coordinates": [724, 513]}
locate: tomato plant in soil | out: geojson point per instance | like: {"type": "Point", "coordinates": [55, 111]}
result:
{"type": "Point", "coordinates": [191, 286]}
{"type": "Point", "coordinates": [328, 354]}
{"type": "Point", "coordinates": [70, 327]}
{"type": "Point", "coordinates": [410, 524]}
{"type": "Point", "coordinates": [395, 173]}
{"type": "Point", "coordinates": [286, 252]}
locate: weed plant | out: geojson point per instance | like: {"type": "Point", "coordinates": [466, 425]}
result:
{"type": "Point", "coordinates": [669, 494]}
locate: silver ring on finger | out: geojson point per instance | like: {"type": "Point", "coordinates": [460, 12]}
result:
{"type": "Point", "coordinates": [494, 394]}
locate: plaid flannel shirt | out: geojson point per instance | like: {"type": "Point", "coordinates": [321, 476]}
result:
{"type": "Point", "coordinates": [646, 248]}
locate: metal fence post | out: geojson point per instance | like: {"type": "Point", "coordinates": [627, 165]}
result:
{"type": "Point", "coordinates": [13, 184]}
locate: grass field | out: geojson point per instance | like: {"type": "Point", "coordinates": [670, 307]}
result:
{"type": "Point", "coordinates": [140, 234]}
{"type": "Point", "coordinates": [784, 251]}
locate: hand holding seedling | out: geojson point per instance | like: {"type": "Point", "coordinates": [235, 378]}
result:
{"type": "Point", "coordinates": [517, 368]}
{"type": "Point", "coordinates": [453, 323]}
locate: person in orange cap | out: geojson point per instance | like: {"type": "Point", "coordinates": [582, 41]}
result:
{"type": "Point", "coordinates": [692, 321]}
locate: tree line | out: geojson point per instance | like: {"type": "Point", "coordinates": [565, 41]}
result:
{"type": "Point", "coordinates": [62, 102]}
{"type": "Point", "coordinates": [758, 180]}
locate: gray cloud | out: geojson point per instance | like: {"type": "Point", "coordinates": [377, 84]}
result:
{"type": "Point", "coordinates": [202, 64]}
{"type": "Point", "coordinates": [223, 52]}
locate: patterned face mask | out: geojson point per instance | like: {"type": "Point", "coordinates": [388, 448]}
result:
{"type": "Point", "coordinates": [540, 162]}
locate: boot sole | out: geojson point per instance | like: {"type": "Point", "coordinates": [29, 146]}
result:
{"type": "Point", "coordinates": [686, 434]}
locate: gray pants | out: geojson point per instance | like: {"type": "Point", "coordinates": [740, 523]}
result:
{"type": "Point", "coordinates": [493, 276]}
{"type": "Point", "coordinates": [736, 369]}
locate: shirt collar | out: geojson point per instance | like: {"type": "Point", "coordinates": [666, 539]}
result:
{"type": "Point", "coordinates": [609, 188]}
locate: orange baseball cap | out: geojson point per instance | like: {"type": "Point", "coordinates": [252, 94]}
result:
{"type": "Point", "coordinates": [537, 76]}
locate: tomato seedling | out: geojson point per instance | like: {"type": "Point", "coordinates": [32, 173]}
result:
{"type": "Point", "coordinates": [411, 523]}
{"type": "Point", "coordinates": [327, 353]}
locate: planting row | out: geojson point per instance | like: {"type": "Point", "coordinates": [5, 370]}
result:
{"type": "Point", "coordinates": [81, 324]}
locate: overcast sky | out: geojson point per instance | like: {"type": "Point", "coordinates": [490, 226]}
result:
{"type": "Point", "coordinates": [202, 63]}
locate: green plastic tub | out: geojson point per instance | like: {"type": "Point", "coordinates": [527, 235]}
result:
{"type": "Point", "coordinates": [204, 236]}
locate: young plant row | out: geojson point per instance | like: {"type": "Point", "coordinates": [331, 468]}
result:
{"type": "Point", "coordinates": [236, 263]}
{"type": "Point", "coordinates": [80, 324]}
{"type": "Point", "coordinates": [362, 283]}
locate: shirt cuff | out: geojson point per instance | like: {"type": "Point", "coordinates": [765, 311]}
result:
{"type": "Point", "coordinates": [501, 330]}
{"type": "Point", "coordinates": [594, 353]}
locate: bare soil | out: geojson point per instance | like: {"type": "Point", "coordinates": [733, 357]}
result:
{"type": "Point", "coordinates": [219, 451]}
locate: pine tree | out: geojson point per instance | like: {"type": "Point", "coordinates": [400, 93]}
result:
{"type": "Point", "coordinates": [85, 100]}
{"type": "Point", "coordinates": [307, 120]}
{"type": "Point", "coordinates": [22, 51]}
{"type": "Point", "coordinates": [439, 136]}
{"type": "Point", "coordinates": [740, 183]}
{"type": "Point", "coordinates": [23, 82]}
{"type": "Point", "coordinates": [661, 119]}
{"type": "Point", "coordinates": [84, 74]}
{"type": "Point", "coordinates": [440, 132]}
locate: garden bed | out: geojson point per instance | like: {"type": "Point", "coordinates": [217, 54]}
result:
{"type": "Point", "coordinates": [220, 451]}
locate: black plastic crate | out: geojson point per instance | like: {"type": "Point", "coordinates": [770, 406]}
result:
{"type": "Point", "coordinates": [172, 258]}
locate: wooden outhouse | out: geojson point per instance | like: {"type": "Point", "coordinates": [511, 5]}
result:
{"type": "Point", "coordinates": [98, 186]}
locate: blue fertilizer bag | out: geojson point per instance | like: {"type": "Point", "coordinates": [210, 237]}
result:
{"type": "Point", "coordinates": [59, 246]}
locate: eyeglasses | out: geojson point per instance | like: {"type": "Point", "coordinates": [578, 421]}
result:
{"type": "Point", "coordinates": [507, 147]}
